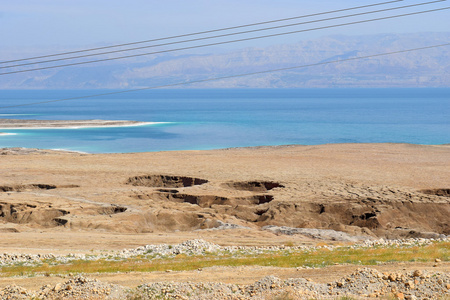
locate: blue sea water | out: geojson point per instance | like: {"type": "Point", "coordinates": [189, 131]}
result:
{"type": "Point", "coordinates": [221, 118]}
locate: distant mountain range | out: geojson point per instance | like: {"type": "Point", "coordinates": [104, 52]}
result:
{"type": "Point", "coordinates": [424, 68]}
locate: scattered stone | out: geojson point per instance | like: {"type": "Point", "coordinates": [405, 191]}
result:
{"type": "Point", "coordinates": [200, 247]}
{"type": "Point", "coordinates": [365, 283]}
{"type": "Point", "coordinates": [57, 287]}
{"type": "Point", "coordinates": [410, 284]}
{"type": "Point", "coordinates": [392, 277]}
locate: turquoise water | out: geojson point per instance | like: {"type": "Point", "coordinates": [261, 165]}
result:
{"type": "Point", "coordinates": [209, 119]}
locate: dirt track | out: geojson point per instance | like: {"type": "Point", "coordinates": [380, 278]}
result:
{"type": "Point", "coordinates": [231, 275]}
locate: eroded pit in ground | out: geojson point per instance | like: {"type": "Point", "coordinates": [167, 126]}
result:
{"type": "Point", "coordinates": [205, 200]}
{"type": "Point", "coordinates": [253, 186]}
{"type": "Point", "coordinates": [33, 186]}
{"type": "Point", "coordinates": [382, 218]}
{"type": "Point", "coordinates": [437, 192]}
{"type": "Point", "coordinates": [46, 215]}
{"type": "Point", "coordinates": [23, 213]}
{"type": "Point", "coordinates": [166, 181]}
{"type": "Point", "coordinates": [111, 210]}
{"type": "Point", "coordinates": [377, 217]}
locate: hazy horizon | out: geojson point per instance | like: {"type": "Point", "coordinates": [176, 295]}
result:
{"type": "Point", "coordinates": [423, 68]}
{"type": "Point", "coordinates": [85, 23]}
{"type": "Point", "coordinates": [30, 29]}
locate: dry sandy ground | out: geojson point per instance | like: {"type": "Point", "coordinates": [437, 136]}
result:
{"type": "Point", "coordinates": [69, 202]}
{"type": "Point", "coordinates": [231, 275]}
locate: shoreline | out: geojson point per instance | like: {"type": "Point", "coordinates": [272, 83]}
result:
{"type": "Point", "coordinates": [16, 124]}
{"type": "Point", "coordinates": [28, 150]}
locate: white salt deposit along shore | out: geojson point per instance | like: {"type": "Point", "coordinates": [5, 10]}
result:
{"type": "Point", "coordinates": [52, 124]}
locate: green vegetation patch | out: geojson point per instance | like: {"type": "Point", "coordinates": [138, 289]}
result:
{"type": "Point", "coordinates": [282, 258]}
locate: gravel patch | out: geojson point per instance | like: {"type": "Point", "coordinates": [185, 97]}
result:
{"type": "Point", "coordinates": [198, 247]}
{"type": "Point", "coordinates": [363, 283]}
{"type": "Point", "coordinates": [78, 287]}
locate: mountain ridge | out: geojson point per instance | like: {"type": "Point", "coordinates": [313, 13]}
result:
{"type": "Point", "coordinates": [423, 68]}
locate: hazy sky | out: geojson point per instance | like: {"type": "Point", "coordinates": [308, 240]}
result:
{"type": "Point", "coordinates": [82, 23]}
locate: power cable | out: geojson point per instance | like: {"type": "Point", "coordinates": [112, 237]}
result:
{"type": "Point", "coordinates": [202, 32]}
{"type": "Point", "coordinates": [228, 42]}
{"type": "Point", "coordinates": [229, 77]}
{"type": "Point", "coordinates": [223, 35]}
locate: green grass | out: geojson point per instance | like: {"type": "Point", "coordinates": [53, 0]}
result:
{"type": "Point", "coordinates": [284, 259]}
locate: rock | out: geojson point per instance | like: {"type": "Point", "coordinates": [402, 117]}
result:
{"type": "Point", "coordinates": [409, 284]}
{"type": "Point", "coordinates": [57, 287]}
{"type": "Point", "coordinates": [417, 273]}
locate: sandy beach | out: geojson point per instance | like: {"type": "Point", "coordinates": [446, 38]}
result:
{"type": "Point", "coordinates": [60, 202]}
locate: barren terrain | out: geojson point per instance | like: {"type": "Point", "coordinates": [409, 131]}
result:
{"type": "Point", "coordinates": [60, 202]}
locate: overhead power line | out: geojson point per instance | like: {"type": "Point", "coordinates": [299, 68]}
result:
{"type": "Point", "coordinates": [227, 42]}
{"type": "Point", "coordinates": [202, 32]}
{"type": "Point", "coordinates": [223, 35]}
{"type": "Point", "coordinates": [230, 76]}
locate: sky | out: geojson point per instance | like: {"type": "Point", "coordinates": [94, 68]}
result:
{"type": "Point", "coordinates": [77, 24]}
